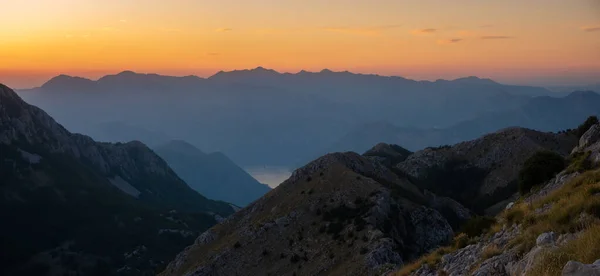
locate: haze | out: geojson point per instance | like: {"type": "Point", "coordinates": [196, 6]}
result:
{"type": "Point", "coordinates": [536, 42]}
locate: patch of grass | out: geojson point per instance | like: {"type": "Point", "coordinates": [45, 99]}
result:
{"type": "Point", "coordinates": [431, 259]}
{"type": "Point", "coordinates": [491, 251]}
{"type": "Point", "coordinates": [568, 203]}
{"type": "Point", "coordinates": [461, 240]}
{"type": "Point", "coordinates": [585, 249]}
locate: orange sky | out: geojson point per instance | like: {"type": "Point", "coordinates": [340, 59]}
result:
{"type": "Point", "coordinates": [525, 41]}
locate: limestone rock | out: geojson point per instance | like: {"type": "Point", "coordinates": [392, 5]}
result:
{"type": "Point", "coordinates": [573, 268]}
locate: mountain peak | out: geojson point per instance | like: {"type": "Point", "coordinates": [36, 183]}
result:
{"type": "Point", "coordinates": [63, 81]}
{"type": "Point", "coordinates": [475, 80]}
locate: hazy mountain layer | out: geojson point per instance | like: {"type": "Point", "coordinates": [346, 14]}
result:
{"type": "Point", "coordinates": [261, 117]}
{"type": "Point", "coordinates": [213, 175]}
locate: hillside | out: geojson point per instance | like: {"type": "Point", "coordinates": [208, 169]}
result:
{"type": "Point", "coordinates": [554, 230]}
{"type": "Point", "coordinates": [74, 206]}
{"type": "Point", "coordinates": [347, 214]}
{"type": "Point", "coordinates": [341, 214]}
{"type": "Point", "coordinates": [212, 175]}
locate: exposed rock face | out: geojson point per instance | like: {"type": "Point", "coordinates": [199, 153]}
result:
{"type": "Point", "coordinates": [77, 192]}
{"type": "Point", "coordinates": [590, 143]}
{"type": "Point", "coordinates": [335, 215]}
{"type": "Point", "coordinates": [481, 172]}
{"type": "Point", "coordinates": [573, 268]}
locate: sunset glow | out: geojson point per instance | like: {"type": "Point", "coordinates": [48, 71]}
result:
{"type": "Point", "coordinates": [511, 41]}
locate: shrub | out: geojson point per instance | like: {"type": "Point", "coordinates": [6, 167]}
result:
{"type": "Point", "coordinates": [477, 225]}
{"type": "Point", "coordinates": [589, 122]}
{"type": "Point", "coordinates": [514, 215]}
{"type": "Point", "coordinates": [237, 245]}
{"type": "Point", "coordinates": [538, 169]}
{"type": "Point", "coordinates": [461, 240]}
{"type": "Point", "coordinates": [579, 162]}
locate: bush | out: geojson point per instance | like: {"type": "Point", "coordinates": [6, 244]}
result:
{"type": "Point", "coordinates": [579, 162]}
{"type": "Point", "coordinates": [477, 225]}
{"type": "Point", "coordinates": [589, 122]}
{"type": "Point", "coordinates": [461, 240]}
{"type": "Point", "coordinates": [538, 169]}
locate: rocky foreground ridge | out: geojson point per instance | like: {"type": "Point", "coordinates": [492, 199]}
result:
{"type": "Point", "coordinates": [552, 231]}
{"type": "Point", "coordinates": [351, 214]}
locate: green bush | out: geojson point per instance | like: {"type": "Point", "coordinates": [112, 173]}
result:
{"type": "Point", "coordinates": [538, 169]}
{"type": "Point", "coordinates": [589, 122]}
{"type": "Point", "coordinates": [477, 225]}
{"type": "Point", "coordinates": [579, 162]}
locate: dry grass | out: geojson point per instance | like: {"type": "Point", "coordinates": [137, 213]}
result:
{"type": "Point", "coordinates": [491, 251]}
{"type": "Point", "coordinates": [568, 203]}
{"type": "Point", "coordinates": [580, 195]}
{"type": "Point", "coordinates": [585, 249]}
{"type": "Point", "coordinates": [431, 259]}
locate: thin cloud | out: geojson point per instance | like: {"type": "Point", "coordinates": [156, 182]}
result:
{"type": "Point", "coordinates": [221, 30]}
{"type": "Point", "coordinates": [170, 30]}
{"type": "Point", "coordinates": [123, 20]}
{"type": "Point", "coordinates": [591, 29]}
{"type": "Point", "coordinates": [375, 30]}
{"type": "Point", "coordinates": [491, 37]}
{"type": "Point", "coordinates": [424, 31]}
{"type": "Point", "coordinates": [449, 41]}
{"type": "Point", "coordinates": [213, 54]}
{"type": "Point", "coordinates": [486, 26]}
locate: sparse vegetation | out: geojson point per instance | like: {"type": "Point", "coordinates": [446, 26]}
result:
{"type": "Point", "coordinates": [579, 162]}
{"type": "Point", "coordinates": [431, 259]}
{"type": "Point", "coordinates": [477, 225]}
{"type": "Point", "coordinates": [538, 169]}
{"type": "Point", "coordinates": [585, 249]}
{"type": "Point", "coordinates": [491, 251]}
{"type": "Point", "coordinates": [589, 122]}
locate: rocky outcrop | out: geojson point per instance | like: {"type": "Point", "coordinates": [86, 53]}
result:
{"type": "Point", "coordinates": [339, 214]}
{"type": "Point", "coordinates": [589, 143]}
{"type": "Point", "coordinates": [481, 172]}
{"type": "Point", "coordinates": [573, 268]}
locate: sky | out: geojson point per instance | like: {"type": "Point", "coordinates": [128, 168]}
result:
{"type": "Point", "coordinates": [537, 42]}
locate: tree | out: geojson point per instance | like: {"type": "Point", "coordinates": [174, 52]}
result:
{"type": "Point", "coordinates": [538, 169]}
{"type": "Point", "coordinates": [589, 122]}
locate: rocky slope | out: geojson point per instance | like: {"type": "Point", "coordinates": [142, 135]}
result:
{"type": "Point", "coordinates": [213, 175]}
{"type": "Point", "coordinates": [553, 231]}
{"type": "Point", "coordinates": [72, 205]}
{"type": "Point", "coordinates": [341, 214]}
{"type": "Point", "coordinates": [347, 214]}
{"type": "Point", "coordinates": [481, 172]}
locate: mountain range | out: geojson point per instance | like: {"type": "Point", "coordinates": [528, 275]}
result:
{"type": "Point", "coordinates": [262, 117]}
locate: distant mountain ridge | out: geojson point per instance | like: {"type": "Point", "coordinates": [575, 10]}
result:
{"type": "Point", "coordinates": [213, 175]}
{"type": "Point", "coordinates": [262, 117]}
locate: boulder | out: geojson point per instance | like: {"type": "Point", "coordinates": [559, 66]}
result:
{"type": "Point", "coordinates": [545, 239]}
{"type": "Point", "coordinates": [573, 268]}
